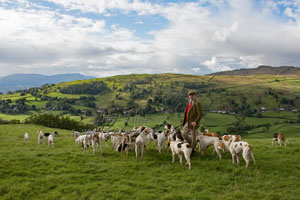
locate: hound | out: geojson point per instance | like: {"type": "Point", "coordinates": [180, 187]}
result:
{"type": "Point", "coordinates": [211, 134]}
{"type": "Point", "coordinates": [79, 139]}
{"type": "Point", "coordinates": [75, 134]}
{"type": "Point", "coordinates": [161, 138]}
{"type": "Point", "coordinates": [127, 143]}
{"type": "Point", "coordinates": [140, 143]}
{"type": "Point", "coordinates": [92, 140]}
{"type": "Point", "coordinates": [279, 137]}
{"type": "Point", "coordinates": [50, 141]}
{"type": "Point", "coordinates": [231, 138]}
{"type": "Point", "coordinates": [115, 140]}
{"type": "Point", "coordinates": [206, 141]}
{"type": "Point", "coordinates": [236, 148]}
{"type": "Point", "coordinates": [40, 135]}
{"type": "Point", "coordinates": [179, 147]}
{"type": "Point", "coordinates": [26, 137]}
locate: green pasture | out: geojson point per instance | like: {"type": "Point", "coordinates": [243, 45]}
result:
{"type": "Point", "coordinates": [268, 101]}
{"type": "Point", "coordinates": [122, 103]}
{"type": "Point", "coordinates": [289, 130]}
{"type": "Point", "coordinates": [141, 102]}
{"type": "Point", "coordinates": [63, 84]}
{"type": "Point", "coordinates": [31, 98]}
{"type": "Point", "coordinates": [20, 117]}
{"type": "Point", "coordinates": [125, 95]}
{"type": "Point", "coordinates": [104, 100]}
{"type": "Point", "coordinates": [13, 97]}
{"type": "Point", "coordinates": [87, 120]}
{"type": "Point", "coordinates": [257, 121]}
{"type": "Point", "coordinates": [53, 112]}
{"type": "Point", "coordinates": [16, 96]}
{"type": "Point", "coordinates": [215, 120]}
{"type": "Point", "coordinates": [32, 171]}
{"type": "Point", "coordinates": [282, 114]}
{"type": "Point", "coordinates": [206, 101]}
{"type": "Point", "coordinates": [68, 96]}
{"type": "Point", "coordinates": [39, 104]}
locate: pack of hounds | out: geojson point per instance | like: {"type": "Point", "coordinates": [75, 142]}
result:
{"type": "Point", "coordinates": [140, 138]}
{"type": "Point", "coordinates": [42, 136]}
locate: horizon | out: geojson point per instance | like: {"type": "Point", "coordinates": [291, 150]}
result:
{"type": "Point", "coordinates": [118, 37]}
{"type": "Point", "coordinates": [139, 73]}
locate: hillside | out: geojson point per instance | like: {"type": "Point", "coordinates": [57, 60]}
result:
{"type": "Point", "coordinates": [262, 70]}
{"type": "Point", "coordinates": [231, 103]}
{"type": "Point", "coordinates": [25, 81]}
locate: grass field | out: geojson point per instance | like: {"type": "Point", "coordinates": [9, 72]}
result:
{"type": "Point", "coordinates": [31, 171]}
{"type": "Point", "coordinates": [20, 117]}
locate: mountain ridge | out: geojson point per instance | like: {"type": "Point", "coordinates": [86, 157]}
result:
{"type": "Point", "coordinates": [18, 81]}
{"type": "Point", "coordinates": [261, 70]}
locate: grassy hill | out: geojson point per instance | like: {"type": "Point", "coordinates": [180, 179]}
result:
{"type": "Point", "coordinates": [230, 103]}
{"type": "Point", "coordinates": [282, 70]}
{"type": "Point", "coordinates": [32, 171]}
{"type": "Point", "coordinates": [123, 97]}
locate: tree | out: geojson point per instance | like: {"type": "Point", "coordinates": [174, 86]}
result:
{"type": "Point", "coordinates": [259, 115]}
{"type": "Point", "coordinates": [95, 87]}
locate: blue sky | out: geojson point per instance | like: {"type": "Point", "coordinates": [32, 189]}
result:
{"type": "Point", "coordinates": [111, 37]}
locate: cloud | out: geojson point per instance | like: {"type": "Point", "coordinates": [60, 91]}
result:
{"type": "Point", "coordinates": [109, 6]}
{"type": "Point", "coordinates": [197, 69]}
{"type": "Point", "coordinates": [215, 65]}
{"type": "Point", "coordinates": [200, 37]}
{"type": "Point", "coordinates": [240, 32]}
{"type": "Point", "coordinates": [226, 32]}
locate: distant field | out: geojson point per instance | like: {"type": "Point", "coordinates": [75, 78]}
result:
{"type": "Point", "coordinates": [105, 100]}
{"type": "Point", "coordinates": [88, 120]}
{"type": "Point", "coordinates": [13, 97]}
{"type": "Point", "coordinates": [290, 130]}
{"type": "Point", "coordinates": [31, 171]}
{"type": "Point", "coordinates": [228, 93]}
{"type": "Point", "coordinates": [255, 120]}
{"type": "Point", "coordinates": [60, 95]}
{"type": "Point", "coordinates": [282, 114]}
{"type": "Point", "coordinates": [213, 121]}
{"type": "Point", "coordinates": [20, 117]}
{"type": "Point", "coordinates": [38, 104]}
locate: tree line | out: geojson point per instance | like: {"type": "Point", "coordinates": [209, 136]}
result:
{"type": "Point", "coordinates": [85, 88]}
{"type": "Point", "coordinates": [55, 121]}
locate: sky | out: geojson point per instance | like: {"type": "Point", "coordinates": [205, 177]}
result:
{"type": "Point", "coordinates": [104, 38]}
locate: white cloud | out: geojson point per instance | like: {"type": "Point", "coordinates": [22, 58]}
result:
{"type": "Point", "coordinates": [196, 69]}
{"type": "Point", "coordinates": [200, 37]}
{"type": "Point", "coordinates": [226, 32]}
{"type": "Point", "coordinates": [215, 65]}
{"type": "Point", "coordinates": [107, 6]}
